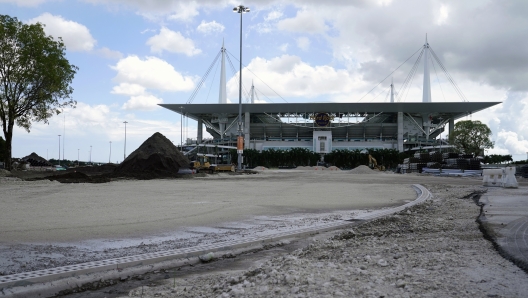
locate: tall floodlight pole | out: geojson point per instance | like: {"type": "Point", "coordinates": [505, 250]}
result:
{"type": "Point", "coordinates": [59, 149]}
{"type": "Point", "coordinates": [124, 152]}
{"type": "Point", "coordinates": [110, 156]}
{"type": "Point", "coordinates": [240, 139]}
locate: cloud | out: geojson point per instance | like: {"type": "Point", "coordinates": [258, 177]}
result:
{"type": "Point", "coordinates": [273, 15]}
{"type": "Point", "coordinates": [303, 43]}
{"type": "Point", "coordinates": [209, 28]}
{"type": "Point", "coordinates": [143, 102]}
{"type": "Point", "coordinates": [158, 9]}
{"type": "Point", "coordinates": [109, 54]}
{"type": "Point", "coordinates": [291, 77]}
{"type": "Point", "coordinates": [372, 37]}
{"type": "Point", "coordinates": [174, 42]}
{"type": "Point", "coordinates": [304, 22]}
{"type": "Point", "coordinates": [129, 89]}
{"type": "Point", "coordinates": [284, 47]}
{"type": "Point", "coordinates": [76, 36]}
{"type": "Point", "coordinates": [186, 11]}
{"type": "Point", "coordinates": [508, 125]}
{"type": "Point", "coordinates": [151, 73]}
{"type": "Point", "coordinates": [26, 3]}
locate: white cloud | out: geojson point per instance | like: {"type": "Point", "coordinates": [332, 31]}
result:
{"type": "Point", "coordinates": [76, 36]}
{"type": "Point", "coordinates": [109, 54]}
{"type": "Point", "coordinates": [273, 15]}
{"type": "Point", "coordinates": [186, 11]}
{"type": "Point", "coordinates": [303, 43]}
{"type": "Point", "coordinates": [157, 10]}
{"type": "Point", "coordinates": [284, 47]}
{"type": "Point", "coordinates": [143, 102]}
{"type": "Point", "coordinates": [291, 77]}
{"type": "Point", "coordinates": [26, 3]}
{"type": "Point", "coordinates": [171, 41]}
{"type": "Point", "coordinates": [513, 142]}
{"type": "Point", "coordinates": [129, 89]}
{"type": "Point", "coordinates": [151, 73]}
{"type": "Point", "coordinates": [211, 27]}
{"type": "Point", "coordinates": [304, 22]}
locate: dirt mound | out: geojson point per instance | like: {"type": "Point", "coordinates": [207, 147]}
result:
{"type": "Point", "coordinates": [157, 157]}
{"type": "Point", "coordinates": [105, 168]}
{"type": "Point", "coordinates": [77, 177]}
{"type": "Point", "coordinates": [364, 170]}
{"type": "Point", "coordinates": [36, 161]}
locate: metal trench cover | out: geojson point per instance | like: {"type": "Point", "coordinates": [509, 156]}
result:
{"type": "Point", "coordinates": [53, 274]}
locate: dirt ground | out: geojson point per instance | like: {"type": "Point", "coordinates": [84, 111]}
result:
{"type": "Point", "coordinates": [47, 224]}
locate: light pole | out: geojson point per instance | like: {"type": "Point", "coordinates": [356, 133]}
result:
{"type": "Point", "coordinates": [78, 157]}
{"type": "Point", "coordinates": [59, 149]}
{"type": "Point", "coordinates": [90, 154]}
{"type": "Point", "coordinates": [240, 139]}
{"type": "Point", "coordinates": [110, 156]}
{"type": "Point", "coordinates": [124, 152]}
{"type": "Point", "coordinates": [181, 128]}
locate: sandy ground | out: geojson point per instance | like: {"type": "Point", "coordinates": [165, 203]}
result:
{"type": "Point", "coordinates": [47, 224]}
{"type": "Point", "coordinates": [436, 251]}
{"type": "Point", "coordinates": [44, 211]}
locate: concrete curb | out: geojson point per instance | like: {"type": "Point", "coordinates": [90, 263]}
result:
{"type": "Point", "coordinates": [50, 282]}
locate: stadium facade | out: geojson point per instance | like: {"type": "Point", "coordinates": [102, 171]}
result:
{"type": "Point", "coordinates": [323, 127]}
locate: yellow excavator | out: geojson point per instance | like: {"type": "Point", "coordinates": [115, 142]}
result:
{"type": "Point", "coordinates": [203, 165]}
{"type": "Point", "coordinates": [373, 164]}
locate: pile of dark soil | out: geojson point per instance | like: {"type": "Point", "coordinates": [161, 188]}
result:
{"type": "Point", "coordinates": [77, 177]}
{"type": "Point", "coordinates": [157, 157]}
{"type": "Point", "coordinates": [36, 161]}
{"type": "Point", "coordinates": [94, 170]}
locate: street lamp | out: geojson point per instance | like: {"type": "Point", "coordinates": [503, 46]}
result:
{"type": "Point", "coordinates": [90, 154]}
{"type": "Point", "coordinates": [78, 157]}
{"type": "Point", "coordinates": [124, 152]}
{"type": "Point", "coordinates": [240, 139]}
{"type": "Point", "coordinates": [59, 149]}
{"type": "Point", "coordinates": [110, 156]}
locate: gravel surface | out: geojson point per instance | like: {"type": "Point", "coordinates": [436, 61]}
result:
{"type": "Point", "coordinates": [431, 250]}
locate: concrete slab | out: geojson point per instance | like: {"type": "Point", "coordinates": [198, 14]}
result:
{"type": "Point", "coordinates": [505, 218]}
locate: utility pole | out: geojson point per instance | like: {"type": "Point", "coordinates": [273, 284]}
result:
{"type": "Point", "coordinates": [59, 149]}
{"type": "Point", "coordinates": [124, 152]}
{"type": "Point", "coordinates": [110, 156]}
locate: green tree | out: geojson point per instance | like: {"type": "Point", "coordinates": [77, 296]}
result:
{"type": "Point", "coordinates": [35, 77]}
{"type": "Point", "coordinates": [471, 137]}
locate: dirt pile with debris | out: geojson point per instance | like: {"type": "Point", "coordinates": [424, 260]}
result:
{"type": "Point", "coordinates": [364, 170]}
{"type": "Point", "coordinates": [157, 157]}
{"type": "Point", "coordinates": [36, 161]}
{"type": "Point", "coordinates": [78, 177]}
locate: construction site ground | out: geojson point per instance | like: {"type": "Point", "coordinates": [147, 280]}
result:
{"type": "Point", "coordinates": [435, 249]}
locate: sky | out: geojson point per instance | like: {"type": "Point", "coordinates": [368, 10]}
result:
{"type": "Point", "coordinates": [135, 54]}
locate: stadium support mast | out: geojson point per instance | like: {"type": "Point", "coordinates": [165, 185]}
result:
{"type": "Point", "coordinates": [427, 81]}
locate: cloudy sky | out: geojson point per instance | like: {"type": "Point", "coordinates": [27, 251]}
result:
{"type": "Point", "coordinates": [135, 54]}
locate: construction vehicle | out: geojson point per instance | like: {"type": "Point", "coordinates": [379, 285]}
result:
{"type": "Point", "coordinates": [203, 165]}
{"type": "Point", "coordinates": [373, 164]}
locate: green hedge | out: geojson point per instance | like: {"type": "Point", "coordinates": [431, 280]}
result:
{"type": "Point", "coordinates": [346, 159]}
